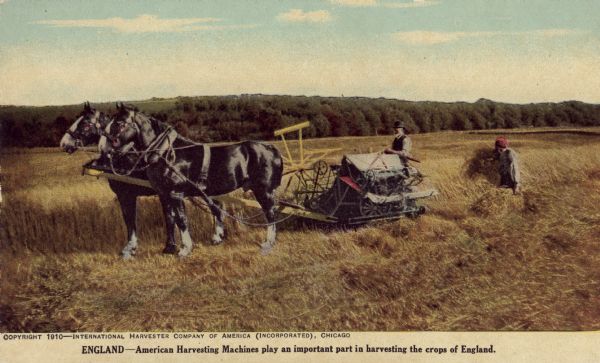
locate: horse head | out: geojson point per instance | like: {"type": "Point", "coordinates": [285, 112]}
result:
{"type": "Point", "coordinates": [86, 130]}
{"type": "Point", "coordinates": [122, 130]}
{"type": "Point", "coordinates": [131, 129]}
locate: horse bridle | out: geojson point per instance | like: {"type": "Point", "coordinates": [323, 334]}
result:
{"type": "Point", "coordinates": [128, 148]}
{"type": "Point", "coordinates": [124, 125]}
{"type": "Point", "coordinates": [78, 136]}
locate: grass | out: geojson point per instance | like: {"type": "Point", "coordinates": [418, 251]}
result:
{"type": "Point", "coordinates": [480, 259]}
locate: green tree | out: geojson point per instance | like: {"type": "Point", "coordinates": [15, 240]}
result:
{"type": "Point", "coordinates": [320, 126]}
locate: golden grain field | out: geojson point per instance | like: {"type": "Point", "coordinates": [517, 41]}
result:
{"type": "Point", "coordinates": [480, 259]}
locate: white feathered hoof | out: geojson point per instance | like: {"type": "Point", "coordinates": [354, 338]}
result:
{"type": "Point", "coordinates": [187, 243]}
{"type": "Point", "coordinates": [266, 248]}
{"type": "Point", "coordinates": [184, 253]}
{"type": "Point", "coordinates": [216, 239]}
{"type": "Point", "coordinates": [127, 255]}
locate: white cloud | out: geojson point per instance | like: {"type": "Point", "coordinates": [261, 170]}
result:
{"type": "Point", "coordinates": [551, 33]}
{"type": "Point", "coordinates": [142, 24]}
{"type": "Point", "coordinates": [354, 3]}
{"type": "Point", "coordinates": [420, 37]}
{"type": "Point", "coordinates": [372, 3]}
{"type": "Point", "coordinates": [300, 16]}
{"type": "Point", "coordinates": [412, 4]}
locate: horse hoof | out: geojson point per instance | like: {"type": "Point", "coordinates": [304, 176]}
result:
{"type": "Point", "coordinates": [126, 256]}
{"type": "Point", "coordinates": [170, 250]}
{"type": "Point", "coordinates": [183, 253]}
{"type": "Point", "coordinates": [266, 248]}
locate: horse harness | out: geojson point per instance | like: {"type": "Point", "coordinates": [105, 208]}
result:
{"type": "Point", "coordinates": [78, 136]}
{"type": "Point", "coordinates": [162, 148]}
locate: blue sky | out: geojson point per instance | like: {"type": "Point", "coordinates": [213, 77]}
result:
{"type": "Point", "coordinates": [64, 52]}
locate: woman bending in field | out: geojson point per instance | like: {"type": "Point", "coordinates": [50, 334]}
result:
{"type": "Point", "coordinates": [510, 174]}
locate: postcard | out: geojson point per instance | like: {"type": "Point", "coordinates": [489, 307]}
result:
{"type": "Point", "coordinates": [328, 180]}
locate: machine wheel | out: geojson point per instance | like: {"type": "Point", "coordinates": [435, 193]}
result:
{"type": "Point", "coordinates": [320, 168]}
{"type": "Point", "coordinates": [370, 209]}
{"type": "Point", "coordinates": [307, 184]}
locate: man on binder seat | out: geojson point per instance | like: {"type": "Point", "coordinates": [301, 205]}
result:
{"type": "Point", "coordinates": [402, 146]}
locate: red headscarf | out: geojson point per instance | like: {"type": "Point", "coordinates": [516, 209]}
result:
{"type": "Point", "coordinates": [501, 142]}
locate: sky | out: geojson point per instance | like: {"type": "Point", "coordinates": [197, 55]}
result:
{"type": "Point", "coordinates": [71, 51]}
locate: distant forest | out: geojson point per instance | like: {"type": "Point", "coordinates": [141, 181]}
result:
{"type": "Point", "coordinates": [232, 118]}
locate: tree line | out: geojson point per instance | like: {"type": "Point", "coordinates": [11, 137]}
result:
{"type": "Point", "coordinates": [234, 118]}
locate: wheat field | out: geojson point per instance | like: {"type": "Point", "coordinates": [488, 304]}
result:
{"type": "Point", "coordinates": [480, 259]}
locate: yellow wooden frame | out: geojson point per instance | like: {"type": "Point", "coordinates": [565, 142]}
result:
{"type": "Point", "coordinates": [305, 157]}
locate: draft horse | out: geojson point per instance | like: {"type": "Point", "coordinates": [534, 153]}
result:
{"type": "Point", "coordinates": [88, 129]}
{"type": "Point", "coordinates": [177, 167]}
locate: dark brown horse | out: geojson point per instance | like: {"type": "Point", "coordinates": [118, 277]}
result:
{"type": "Point", "coordinates": [177, 167]}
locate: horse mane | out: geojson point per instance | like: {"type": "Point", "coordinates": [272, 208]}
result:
{"type": "Point", "coordinates": [130, 107]}
{"type": "Point", "coordinates": [159, 126]}
{"type": "Point", "coordinates": [86, 111]}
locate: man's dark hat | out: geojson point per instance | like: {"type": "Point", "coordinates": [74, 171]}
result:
{"type": "Point", "coordinates": [398, 125]}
